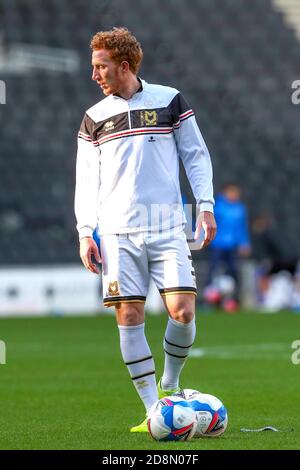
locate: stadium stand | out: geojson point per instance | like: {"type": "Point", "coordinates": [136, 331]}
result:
{"type": "Point", "coordinates": [234, 63]}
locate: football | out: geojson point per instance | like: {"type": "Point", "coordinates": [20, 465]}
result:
{"type": "Point", "coordinates": [212, 417]}
{"type": "Point", "coordinates": [172, 419]}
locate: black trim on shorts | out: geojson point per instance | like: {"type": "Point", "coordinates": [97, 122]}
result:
{"type": "Point", "coordinates": [168, 290]}
{"type": "Point", "coordinates": [124, 298]}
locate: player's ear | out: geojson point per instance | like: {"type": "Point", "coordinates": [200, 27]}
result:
{"type": "Point", "coordinates": [125, 66]}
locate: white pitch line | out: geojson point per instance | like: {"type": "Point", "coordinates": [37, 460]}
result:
{"type": "Point", "coordinates": [266, 351]}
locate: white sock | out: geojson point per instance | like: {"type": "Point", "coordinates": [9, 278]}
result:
{"type": "Point", "coordinates": [139, 361]}
{"type": "Point", "coordinates": [178, 341]}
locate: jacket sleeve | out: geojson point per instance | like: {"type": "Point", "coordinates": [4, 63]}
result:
{"type": "Point", "coordinates": [193, 153]}
{"type": "Point", "coordinates": [243, 238]}
{"type": "Point", "coordinates": [87, 180]}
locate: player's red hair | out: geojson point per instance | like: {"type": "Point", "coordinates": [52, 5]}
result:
{"type": "Point", "coordinates": [121, 44]}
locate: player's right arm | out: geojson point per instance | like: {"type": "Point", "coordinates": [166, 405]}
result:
{"type": "Point", "coordinates": [88, 248]}
{"type": "Point", "coordinates": [86, 194]}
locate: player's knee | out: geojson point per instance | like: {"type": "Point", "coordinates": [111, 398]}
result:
{"type": "Point", "coordinates": [129, 315]}
{"type": "Point", "coordinates": [183, 315]}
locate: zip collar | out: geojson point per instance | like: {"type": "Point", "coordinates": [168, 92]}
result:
{"type": "Point", "coordinates": [139, 90]}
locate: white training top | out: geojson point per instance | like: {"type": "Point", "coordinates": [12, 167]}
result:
{"type": "Point", "coordinates": [127, 175]}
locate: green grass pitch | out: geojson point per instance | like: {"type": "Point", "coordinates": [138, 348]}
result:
{"type": "Point", "coordinates": [64, 385]}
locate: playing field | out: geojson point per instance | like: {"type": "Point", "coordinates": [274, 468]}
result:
{"type": "Point", "coordinates": [64, 385]}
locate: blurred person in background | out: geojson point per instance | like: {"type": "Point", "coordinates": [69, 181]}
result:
{"type": "Point", "coordinates": [277, 276]}
{"type": "Point", "coordinates": [129, 146]}
{"type": "Point", "coordinates": [267, 247]}
{"type": "Point", "coordinates": [232, 242]}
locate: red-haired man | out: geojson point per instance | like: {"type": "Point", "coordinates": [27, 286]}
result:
{"type": "Point", "coordinates": [127, 185]}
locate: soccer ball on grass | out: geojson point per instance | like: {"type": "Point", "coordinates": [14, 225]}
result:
{"type": "Point", "coordinates": [172, 419]}
{"type": "Point", "coordinates": [212, 417]}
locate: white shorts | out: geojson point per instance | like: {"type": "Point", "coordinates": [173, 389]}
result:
{"type": "Point", "coordinates": [129, 260]}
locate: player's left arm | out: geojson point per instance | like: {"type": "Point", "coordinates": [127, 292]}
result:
{"type": "Point", "coordinates": [197, 163]}
{"type": "Point", "coordinates": [206, 221]}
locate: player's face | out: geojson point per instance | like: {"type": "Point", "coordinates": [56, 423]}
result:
{"type": "Point", "coordinates": [106, 72]}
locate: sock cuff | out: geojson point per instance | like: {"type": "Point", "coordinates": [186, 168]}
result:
{"type": "Point", "coordinates": [179, 324]}
{"type": "Point", "coordinates": [141, 326]}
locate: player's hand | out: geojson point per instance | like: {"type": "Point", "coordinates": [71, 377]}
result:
{"type": "Point", "coordinates": [206, 221]}
{"type": "Point", "coordinates": [88, 248]}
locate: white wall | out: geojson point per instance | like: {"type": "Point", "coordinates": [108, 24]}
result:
{"type": "Point", "coordinates": [57, 290]}
{"type": "Point", "coordinates": [44, 290]}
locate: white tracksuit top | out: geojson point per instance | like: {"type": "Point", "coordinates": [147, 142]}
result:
{"type": "Point", "coordinates": [127, 173]}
